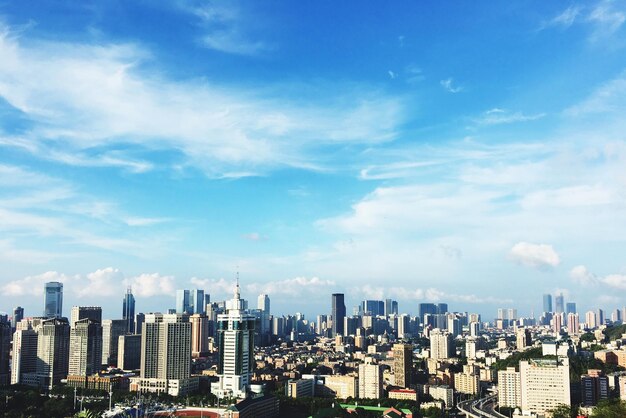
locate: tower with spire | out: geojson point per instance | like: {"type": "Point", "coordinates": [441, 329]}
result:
{"type": "Point", "coordinates": [235, 338]}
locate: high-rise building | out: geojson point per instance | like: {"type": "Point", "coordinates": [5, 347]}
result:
{"type": "Point", "coordinates": [600, 317]}
{"type": "Point", "coordinates": [190, 301]}
{"type": "Point", "coordinates": [199, 335]}
{"type": "Point", "coordinates": [24, 364]}
{"type": "Point", "coordinates": [453, 325]}
{"type": "Point", "coordinates": [5, 348]}
{"type": "Point", "coordinates": [509, 390]}
{"type": "Point", "coordinates": [557, 323]}
{"type": "Point", "coordinates": [128, 311]}
{"type": "Point", "coordinates": [165, 355]}
{"type": "Point", "coordinates": [236, 343]}
{"type": "Point", "coordinates": [370, 379]}
{"type": "Point", "coordinates": [590, 320]}
{"type": "Point", "coordinates": [264, 325]}
{"type": "Point", "coordinates": [559, 303]}
{"type": "Point", "coordinates": [350, 324]}
{"type": "Point", "coordinates": [85, 312]}
{"type": "Point", "coordinates": [547, 303]}
{"type": "Point", "coordinates": [404, 326]}
{"type": "Point", "coordinates": [140, 318]}
{"type": "Point", "coordinates": [391, 307]}
{"type": "Point", "coordinates": [18, 315]}
{"type": "Point", "coordinates": [129, 352]}
{"type": "Point", "coordinates": [53, 300]}
{"type": "Point", "coordinates": [523, 338]}
{"type": "Point", "coordinates": [501, 313]}
{"type": "Point", "coordinates": [511, 314]}
{"type": "Point", "coordinates": [338, 313]}
{"type": "Point", "coordinates": [616, 316]}
{"type": "Point", "coordinates": [544, 384]}
{"type": "Point", "coordinates": [403, 364]}
{"type": "Point", "coordinates": [111, 331]}
{"type": "Point", "coordinates": [373, 307]}
{"type": "Point", "coordinates": [570, 307]}
{"type": "Point", "coordinates": [85, 348]}
{"type": "Point", "coordinates": [594, 387]}
{"type": "Point", "coordinates": [474, 328]}
{"type": "Point", "coordinates": [442, 308]}
{"type": "Point", "coordinates": [426, 308]}
{"type": "Point", "coordinates": [441, 345]}
{"type": "Point", "coordinates": [53, 350]}
{"type": "Point", "coordinates": [573, 324]}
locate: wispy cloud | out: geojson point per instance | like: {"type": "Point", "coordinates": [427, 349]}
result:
{"type": "Point", "coordinates": [582, 275]}
{"type": "Point", "coordinates": [498, 116]}
{"type": "Point", "coordinates": [539, 256]}
{"type": "Point", "coordinates": [450, 86]}
{"type": "Point", "coordinates": [564, 19]}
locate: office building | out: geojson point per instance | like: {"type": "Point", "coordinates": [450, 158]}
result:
{"type": "Point", "coordinates": [544, 384]}
{"type": "Point", "coordinates": [128, 311]}
{"type": "Point", "coordinates": [523, 338]}
{"type": "Point", "coordinates": [341, 387]}
{"type": "Point", "coordinates": [264, 330]}
{"type": "Point", "coordinates": [18, 315]}
{"type": "Point", "coordinates": [129, 352]}
{"type": "Point", "coordinates": [338, 313]}
{"type": "Point", "coordinates": [111, 331]}
{"type": "Point", "coordinates": [453, 325]}
{"type": "Point", "coordinates": [5, 348]}
{"type": "Point", "coordinates": [53, 350]}
{"type": "Point", "coordinates": [559, 304]}
{"type": "Point", "coordinates": [165, 356]}
{"type": "Point", "coordinates": [509, 387]}
{"type": "Point", "coordinates": [85, 348]}
{"type": "Point", "coordinates": [53, 300]}
{"type": "Point", "coordinates": [391, 307]}
{"type": "Point", "coordinates": [590, 320]}
{"type": "Point", "coordinates": [474, 328]}
{"type": "Point", "coordinates": [573, 324]}
{"type": "Point", "coordinates": [404, 329]}
{"type": "Point", "coordinates": [441, 345]}
{"type": "Point", "coordinates": [403, 364]}
{"type": "Point", "coordinates": [600, 317]}
{"type": "Point", "coordinates": [570, 307]}
{"type": "Point", "coordinates": [442, 308]}
{"type": "Point", "coordinates": [199, 335]}
{"type": "Point", "coordinates": [85, 312]}
{"type": "Point", "coordinates": [547, 303]}
{"type": "Point", "coordinates": [236, 342]}
{"type": "Point", "coordinates": [140, 318]}
{"type": "Point", "coordinates": [426, 309]}
{"type": "Point", "coordinates": [373, 307]}
{"type": "Point", "coordinates": [370, 379]}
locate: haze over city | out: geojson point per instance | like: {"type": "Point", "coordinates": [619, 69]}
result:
{"type": "Point", "coordinates": [471, 154]}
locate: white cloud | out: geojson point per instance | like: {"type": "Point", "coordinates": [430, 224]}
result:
{"type": "Point", "coordinates": [606, 18]}
{"type": "Point", "coordinates": [565, 19]}
{"type": "Point", "coordinates": [500, 116]}
{"type": "Point", "coordinates": [449, 85]}
{"type": "Point", "coordinates": [151, 284]}
{"type": "Point", "coordinates": [297, 286]}
{"type": "Point", "coordinates": [102, 282]}
{"type": "Point", "coordinates": [539, 256]}
{"type": "Point", "coordinates": [582, 275]}
{"type": "Point", "coordinates": [34, 285]}
{"type": "Point", "coordinates": [570, 197]}
{"type": "Point", "coordinates": [608, 98]}
{"type": "Point", "coordinates": [232, 42]}
{"type": "Point", "coordinates": [392, 75]}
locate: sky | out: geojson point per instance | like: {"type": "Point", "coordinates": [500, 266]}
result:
{"type": "Point", "coordinates": [468, 153]}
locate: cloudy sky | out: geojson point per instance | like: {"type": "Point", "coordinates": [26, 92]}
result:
{"type": "Point", "coordinates": [473, 154]}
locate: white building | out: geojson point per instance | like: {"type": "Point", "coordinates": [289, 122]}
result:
{"type": "Point", "coordinates": [370, 379]}
{"type": "Point", "coordinates": [544, 384]}
{"type": "Point", "coordinates": [441, 344]}
{"type": "Point", "coordinates": [509, 390]}
{"type": "Point", "coordinates": [85, 348]}
{"type": "Point", "coordinates": [236, 344]}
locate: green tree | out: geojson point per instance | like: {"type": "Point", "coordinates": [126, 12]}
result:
{"type": "Point", "coordinates": [611, 408]}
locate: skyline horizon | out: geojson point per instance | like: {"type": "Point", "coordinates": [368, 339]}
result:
{"type": "Point", "coordinates": [467, 153]}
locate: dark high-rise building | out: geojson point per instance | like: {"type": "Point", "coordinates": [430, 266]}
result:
{"type": "Point", "coordinates": [595, 387]}
{"type": "Point", "coordinates": [442, 308]}
{"type": "Point", "coordinates": [547, 303]}
{"type": "Point", "coordinates": [373, 307]}
{"type": "Point", "coordinates": [559, 304]}
{"type": "Point", "coordinates": [391, 307]}
{"type": "Point", "coordinates": [338, 313]}
{"type": "Point", "coordinates": [427, 308]}
{"type": "Point", "coordinates": [5, 347]}
{"type": "Point", "coordinates": [128, 311]}
{"type": "Point", "coordinates": [570, 307]}
{"type": "Point", "coordinates": [53, 300]}
{"type": "Point", "coordinates": [190, 301]}
{"type": "Point", "coordinates": [18, 315]}
{"type": "Point", "coordinates": [139, 320]}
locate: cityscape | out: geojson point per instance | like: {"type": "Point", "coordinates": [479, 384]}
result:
{"type": "Point", "coordinates": [312, 209]}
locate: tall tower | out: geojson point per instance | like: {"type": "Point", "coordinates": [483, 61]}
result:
{"type": "Point", "coordinates": [338, 313]}
{"type": "Point", "coordinates": [111, 331]}
{"type": "Point", "coordinates": [559, 303]}
{"type": "Point", "coordinates": [128, 311]}
{"type": "Point", "coordinates": [53, 300]}
{"type": "Point", "coordinates": [53, 343]}
{"type": "Point", "coordinates": [547, 303]}
{"type": "Point", "coordinates": [199, 335]}
{"type": "Point", "coordinates": [236, 343]}
{"type": "Point", "coordinates": [18, 315]}
{"type": "Point", "coordinates": [5, 347]}
{"type": "Point", "coordinates": [85, 348]}
{"type": "Point", "coordinates": [85, 312]}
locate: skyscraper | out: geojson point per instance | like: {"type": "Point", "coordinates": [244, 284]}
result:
{"type": "Point", "coordinates": [18, 315]}
{"type": "Point", "coordinates": [190, 301]}
{"type": "Point", "coordinates": [53, 300]}
{"type": "Point", "coordinates": [547, 303]}
{"type": "Point", "coordinates": [128, 311]}
{"type": "Point", "coordinates": [85, 348]}
{"type": "Point", "coordinates": [264, 331]}
{"type": "Point", "coordinates": [85, 312]}
{"type": "Point", "coordinates": [442, 308]}
{"type": "Point", "coordinates": [166, 355]}
{"type": "Point", "coordinates": [570, 307]}
{"type": "Point", "coordinates": [235, 336]}
{"type": "Point", "coordinates": [338, 313]}
{"type": "Point", "coordinates": [370, 379]}
{"type": "Point", "coordinates": [111, 331]}
{"type": "Point", "coordinates": [559, 304]}
{"type": "Point", "coordinates": [53, 344]}
{"type": "Point", "coordinates": [199, 335]}
{"type": "Point", "coordinates": [24, 365]}
{"type": "Point", "coordinates": [403, 364]}
{"type": "Point", "coordinates": [5, 347]}
{"type": "Point", "coordinates": [427, 308]}
{"type": "Point", "coordinates": [129, 352]}
{"type": "Point", "coordinates": [140, 318]}
{"type": "Point", "coordinates": [441, 345]}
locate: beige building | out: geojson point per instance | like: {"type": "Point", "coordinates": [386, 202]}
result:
{"type": "Point", "coordinates": [467, 382]}
{"type": "Point", "coordinates": [544, 384]}
{"type": "Point", "coordinates": [509, 391]}
{"type": "Point", "coordinates": [441, 344]}
{"type": "Point", "coordinates": [85, 347]}
{"type": "Point", "coordinates": [343, 387]}
{"type": "Point", "coordinates": [403, 394]}
{"type": "Point", "coordinates": [199, 335]}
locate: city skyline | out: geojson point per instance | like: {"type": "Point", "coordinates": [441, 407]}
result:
{"type": "Point", "coordinates": [466, 154]}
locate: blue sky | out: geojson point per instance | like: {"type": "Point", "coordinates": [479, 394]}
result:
{"type": "Point", "coordinates": [472, 154]}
